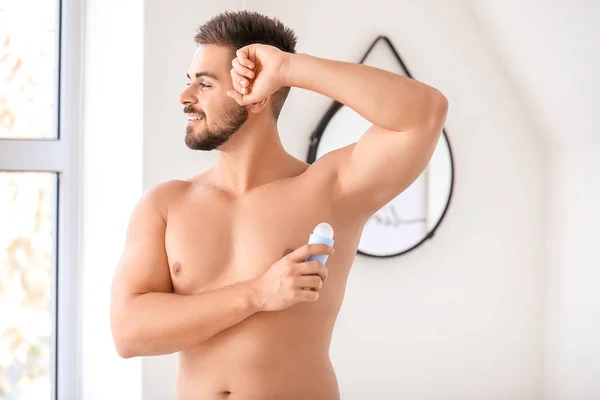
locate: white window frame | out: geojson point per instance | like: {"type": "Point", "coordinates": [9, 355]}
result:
{"type": "Point", "coordinates": [61, 156]}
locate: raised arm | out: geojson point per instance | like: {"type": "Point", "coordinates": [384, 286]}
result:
{"type": "Point", "coordinates": [407, 118]}
{"type": "Point", "coordinates": [147, 318]}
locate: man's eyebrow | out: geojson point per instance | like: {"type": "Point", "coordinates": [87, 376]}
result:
{"type": "Point", "coordinates": [201, 74]}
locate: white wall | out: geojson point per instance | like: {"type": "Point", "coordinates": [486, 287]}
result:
{"type": "Point", "coordinates": [573, 314]}
{"type": "Point", "coordinates": [111, 184]}
{"type": "Point", "coordinates": [550, 55]}
{"type": "Point", "coordinates": [459, 318]}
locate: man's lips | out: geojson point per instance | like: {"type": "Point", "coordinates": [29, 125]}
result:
{"type": "Point", "coordinates": [194, 117]}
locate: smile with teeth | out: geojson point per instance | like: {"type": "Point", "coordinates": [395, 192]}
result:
{"type": "Point", "coordinates": [194, 118]}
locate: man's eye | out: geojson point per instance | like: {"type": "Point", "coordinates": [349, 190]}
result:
{"type": "Point", "coordinates": [202, 85]}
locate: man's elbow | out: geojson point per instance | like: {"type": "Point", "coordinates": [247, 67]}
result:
{"type": "Point", "coordinates": [124, 344]}
{"type": "Point", "coordinates": [439, 109]}
{"type": "Point", "coordinates": [125, 337]}
{"type": "Point", "coordinates": [435, 116]}
{"type": "Point", "coordinates": [132, 341]}
{"type": "Point", "coordinates": [125, 351]}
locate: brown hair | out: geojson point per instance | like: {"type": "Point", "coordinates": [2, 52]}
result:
{"type": "Point", "coordinates": [236, 29]}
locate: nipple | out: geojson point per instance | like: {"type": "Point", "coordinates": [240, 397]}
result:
{"type": "Point", "coordinates": [177, 268]}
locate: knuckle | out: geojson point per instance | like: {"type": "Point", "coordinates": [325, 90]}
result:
{"type": "Point", "coordinates": [288, 269]}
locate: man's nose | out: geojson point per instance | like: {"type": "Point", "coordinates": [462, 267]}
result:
{"type": "Point", "coordinates": [187, 97]}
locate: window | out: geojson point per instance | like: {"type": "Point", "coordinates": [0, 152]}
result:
{"type": "Point", "coordinates": [28, 56]}
{"type": "Point", "coordinates": [38, 198]}
{"type": "Point", "coordinates": [27, 212]}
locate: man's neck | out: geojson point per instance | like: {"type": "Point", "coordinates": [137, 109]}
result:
{"type": "Point", "coordinates": [252, 158]}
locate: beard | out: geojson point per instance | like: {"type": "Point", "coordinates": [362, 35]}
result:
{"type": "Point", "coordinates": [210, 138]}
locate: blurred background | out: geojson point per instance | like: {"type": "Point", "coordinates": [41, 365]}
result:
{"type": "Point", "coordinates": [503, 303]}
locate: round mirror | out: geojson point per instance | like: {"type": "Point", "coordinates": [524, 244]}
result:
{"type": "Point", "coordinates": [413, 216]}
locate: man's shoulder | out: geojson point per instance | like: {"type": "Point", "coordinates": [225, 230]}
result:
{"type": "Point", "coordinates": [168, 189]}
{"type": "Point", "coordinates": [160, 196]}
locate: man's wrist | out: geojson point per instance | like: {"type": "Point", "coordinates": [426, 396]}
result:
{"type": "Point", "coordinates": [287, 68]}
{"type": "Point", "coordinates": [255, 300]}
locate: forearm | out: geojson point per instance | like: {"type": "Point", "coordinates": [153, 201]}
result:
{"type": "Point", "coordinates": [385, 99]}
{"type": "Point", "coordinates": [163, 323]}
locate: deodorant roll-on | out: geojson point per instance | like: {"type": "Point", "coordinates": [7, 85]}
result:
{"type": "Point", "coordinates": [323, 233]}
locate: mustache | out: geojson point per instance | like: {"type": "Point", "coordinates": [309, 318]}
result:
{"type": "Point", "coordinates": [190, 110]}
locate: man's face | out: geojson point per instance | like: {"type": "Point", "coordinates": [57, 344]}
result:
{"type": "Point", "coordinates": [213, 117]}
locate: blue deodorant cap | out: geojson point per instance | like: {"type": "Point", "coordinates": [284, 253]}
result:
{"type": "Point", "coordinates": [323, 233]}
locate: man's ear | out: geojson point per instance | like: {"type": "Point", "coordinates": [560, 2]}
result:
{"type": "Point", "coordinates": [261, 105]}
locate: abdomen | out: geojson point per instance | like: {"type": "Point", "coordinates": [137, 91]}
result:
{"type": "Point", "coordinates": [269, 355]}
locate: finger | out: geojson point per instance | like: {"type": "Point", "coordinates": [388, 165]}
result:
{"type": "Point", "coordinates": [242, 55]}
{"type": "Point", "coordinates": [302, 253]}
{"type": "Point", "coordinates": [313, 268]}
{"type": "Point", "coordinates": [236, 96]}
{"type": "Point", "coordinates": [307, 296]}
{"type": "Point", "coordinates": [239, 82]}
{"type": "Point", "coordinates": [240, 69]}
{"type": "Point", "coordinates": [309, 282]}
{"type": "Point", "coordinates": [235, 80]}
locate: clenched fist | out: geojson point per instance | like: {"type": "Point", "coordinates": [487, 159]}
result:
{"type": "Point", "coordinates": [257, 72]}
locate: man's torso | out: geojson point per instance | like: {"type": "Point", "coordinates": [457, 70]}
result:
{"type": "Point", "coordinates": [214, 240]}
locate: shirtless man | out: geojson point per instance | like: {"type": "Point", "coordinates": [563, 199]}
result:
{"type": "Point", "coordinates": [213, 267]}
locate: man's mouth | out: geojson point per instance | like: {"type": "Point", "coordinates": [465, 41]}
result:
{"type": "Point", "coordinates": [194, 118]}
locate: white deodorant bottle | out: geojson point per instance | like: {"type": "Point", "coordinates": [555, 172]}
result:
{"type": "Point", "coordinates": [323, 233]}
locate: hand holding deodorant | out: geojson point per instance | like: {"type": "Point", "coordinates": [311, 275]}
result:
{"type": "Point", "coordinates": [323, 233]}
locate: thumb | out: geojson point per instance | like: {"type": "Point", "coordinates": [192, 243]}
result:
{"type": "Point", "coordinates": [235, 95]}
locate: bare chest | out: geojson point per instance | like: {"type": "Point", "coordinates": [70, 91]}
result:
{"type": "Point", "coordinates": [213, 241]}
